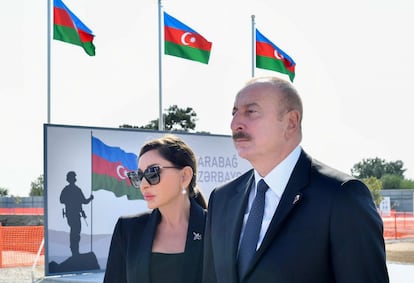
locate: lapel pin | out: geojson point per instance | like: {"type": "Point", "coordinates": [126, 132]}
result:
{"type": "Point", "coordinates": [196, 236]}
{"type": "Point", "coordinates": [296, 199]}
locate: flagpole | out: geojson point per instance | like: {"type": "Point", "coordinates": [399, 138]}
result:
{"type": "Point", "coordinates": [49, 32]}
{"type": "Point", "coordinates": [160, 119]}
{"type": "Point", "coordinates": [253, 45]}
{"type": "Point", "coordinates": [91, 191]}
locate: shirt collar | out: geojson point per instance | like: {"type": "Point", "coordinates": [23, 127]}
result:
{"type": "Point", "coordinates": [278, 177]}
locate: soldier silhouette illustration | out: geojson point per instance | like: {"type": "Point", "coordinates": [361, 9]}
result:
{"type": "Point", "coordinates": [73, 198]}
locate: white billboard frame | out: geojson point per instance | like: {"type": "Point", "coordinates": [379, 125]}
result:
{"type": "Point", "coordinates": [68, 148]}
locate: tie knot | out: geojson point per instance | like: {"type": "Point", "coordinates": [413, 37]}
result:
{"type": "Point", "coordinates": [262, 186]}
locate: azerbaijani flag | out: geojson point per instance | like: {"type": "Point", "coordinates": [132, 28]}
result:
{"type": "Point", "coordinates": [271, 57]}
{"type": "Point", "coordinates": [109, 167]}
{"type": "Point", "coordinates": [182, 41]}
{"type": "Point", "coordinates": [68, 28]}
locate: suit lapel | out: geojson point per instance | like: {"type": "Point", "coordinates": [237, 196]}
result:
{"type": "Point", "coordinates": [144, 252]}
{"type": "Point", "coordinates": [291, 198]}
{"type": "Point", "coordinates": [234, 217]}
{"type": "Point", "coordinates": [194, 244]}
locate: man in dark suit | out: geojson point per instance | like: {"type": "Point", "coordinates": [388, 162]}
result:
{"type": "Point", "coordinates": [316, 224]}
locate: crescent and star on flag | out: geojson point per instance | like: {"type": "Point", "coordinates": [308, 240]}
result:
{"type": "Point", "coordinates": [187, 42]}
{"type": "Point", "coordinates": [121, 171]}
{"type": "Point", "coordinates": [278, 55]}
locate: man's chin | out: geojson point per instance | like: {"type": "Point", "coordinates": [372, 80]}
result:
{"type": "Point", "coordinates": [242, 151]}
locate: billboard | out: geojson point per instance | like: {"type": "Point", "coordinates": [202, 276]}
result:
{"type": "Point", "coordinates": [78, 227]}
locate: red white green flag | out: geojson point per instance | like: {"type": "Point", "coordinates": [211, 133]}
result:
{"type": "Point", "coordinates": [182, 41]}
{"type": "Point", "coordinates": [68, 28]}
{"type": "Point", "coordinates": [271, 57]}
{"type": "Point", "coordinates": [109, 167]}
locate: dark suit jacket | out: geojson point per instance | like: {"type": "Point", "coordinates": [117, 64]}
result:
{"type": "Point", "coordinates": [332, 233]}
{"type": "Point", "coordinates": [130, 250]}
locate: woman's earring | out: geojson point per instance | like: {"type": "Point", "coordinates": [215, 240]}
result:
{"type": "Point", "coordinates": [184, 191]}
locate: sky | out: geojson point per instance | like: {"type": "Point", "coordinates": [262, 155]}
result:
{"type": "Point", "coordinates": [353, 71]}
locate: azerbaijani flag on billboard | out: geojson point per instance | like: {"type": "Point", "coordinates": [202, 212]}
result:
{"type": "Point", "coordinates": [271, 57]}
{"type": "Point", "coordinates": [109, 167]}
{"type": "Point", "coordinates": [182, 41]}
{"type": "Point", "coordinates": [68, 28]}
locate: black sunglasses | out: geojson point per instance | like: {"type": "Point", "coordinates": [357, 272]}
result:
{"type": "Point", "coordinates": [151, 174]}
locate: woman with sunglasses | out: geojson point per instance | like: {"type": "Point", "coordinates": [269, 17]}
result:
{"type": "Point", "coordinates": [165, 244]}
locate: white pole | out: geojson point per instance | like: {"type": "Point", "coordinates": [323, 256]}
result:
{"type": "Point", "coordinates": [253, 45]}
{"type": "Point", "coordinates": [49, 32]}
{"type": "Point", "coordinates": [91, 194]}
{"type": "Point", "coordinates": [37, 255]}
{"type": "Point", "coordinates": [161, 119]}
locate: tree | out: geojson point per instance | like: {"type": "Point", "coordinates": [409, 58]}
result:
{"type": "Point", "coordinates": [407, 184]}
{"type": "Point", "coordinates": [176, 119]}
{"type": "Point", "coordinates": [374, 185]}
{"type": "Point", "coordinates": [377, 167]}
{"type": "Point", "coordinates": [395, 168]}
{"type": "Point", "coordinates": [37, 187]}
{"type": "Point", "coordinates": [4, 192]}
{"type": "Point", "coordinates": [390, 182]}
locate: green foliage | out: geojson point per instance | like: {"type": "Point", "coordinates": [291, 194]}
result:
{"type": "Point", "coordinates": [391, 174]}
{"type": "Point", "coordinates": [390, 182]}
{"type": "Point", "coordinates": [4, 192]}
{"type": "Point", "coordinates": [407, 184]}
{"type": "Point", "coordinates": [180, 119]}
{"type": "Point", "coordinates": [374, 185]}
{"type": "Point", "coordinates": [395, 168]}
{"type": "Point", "coordinates": [176, 119]}
{"type": "Point", "coordinates": [152, 125]}
{"type": "Point", "coordinates": [128, 126]}
{"type": "Point", "coordinates": [37, 187]}
{"type": "Point", "coordinates": [377, 167]}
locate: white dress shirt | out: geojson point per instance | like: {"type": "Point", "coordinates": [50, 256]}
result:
{"type": "Point", "coordinates": [276, 180]}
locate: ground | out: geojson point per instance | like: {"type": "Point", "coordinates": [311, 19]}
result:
{"type": "Point", "coordinates": [400, 251]}
{"type": "Point", "coordinates": [397, 252]}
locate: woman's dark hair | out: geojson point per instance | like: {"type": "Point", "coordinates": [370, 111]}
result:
{"type": "Point", "coordinates": [176, 151]}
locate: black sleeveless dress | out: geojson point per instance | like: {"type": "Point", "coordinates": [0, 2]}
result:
{"type": "Point", "coordinates": [166, 267]}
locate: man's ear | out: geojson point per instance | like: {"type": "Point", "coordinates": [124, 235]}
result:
{"type": "Point", "coordinates": [293, 122]}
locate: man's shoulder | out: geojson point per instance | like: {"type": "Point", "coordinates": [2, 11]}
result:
{"type": "Point", "coordinates": [321, 169]}
{"type": "Point", "coordinates": [330, 172]}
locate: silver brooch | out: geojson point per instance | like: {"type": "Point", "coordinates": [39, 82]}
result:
{"type": "Point", "coordinates": [296, 199]}
{"type": "Point", "coordinates": [196, 236]}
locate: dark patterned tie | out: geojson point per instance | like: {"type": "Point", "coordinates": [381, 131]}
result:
{"type": "Point", "coordinates": [252, 229]}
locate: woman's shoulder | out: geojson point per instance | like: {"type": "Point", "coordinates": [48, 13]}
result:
{"type": "Point", "coordinates": [133, 224]}
{"type": "Point", "coordinates": [137, 218]}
